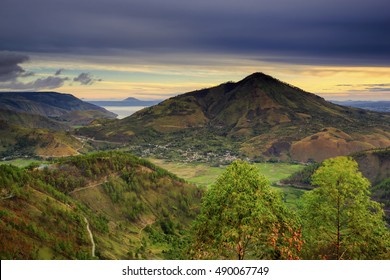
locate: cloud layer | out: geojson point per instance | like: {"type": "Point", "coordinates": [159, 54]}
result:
{"type": "Point", "coordinates": [12, 75]}
{"type": "Point", "coordinates": [325, 31]}
{"type": "Point", "coordinates": [39, 84]}
{"type": "Point", "coordinates": [10, 69]}
{"type": "Point", "coordinates": [85, 79]}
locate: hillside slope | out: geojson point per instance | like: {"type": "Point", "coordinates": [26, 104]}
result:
{"type": "Point", "coordinates": [17, 141]}
{"type": "Point", "coordinates": [133, 209]}
{"type": "Point", "coordinates": [39, 123]}
{"type": "Point", "coordinates": [27, 120]}
{"type": "Point", "coordinates": [259, 117]}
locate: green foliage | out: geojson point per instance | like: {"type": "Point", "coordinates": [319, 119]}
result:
{"type": "Point", "coordinates": [100, 223]}
{"type": "Point", "coordinates": [12, 181]}
{"type": "Point", "coordinates": [42, 210]}
{"type": "Point", "coordinates": [381, 191]}
{"type": "Point", "coordinates": [241, 217]}
{"type": "Point", "coordinates": [302, 178]}
{"type": "Point", "coordinates": [340, 219]}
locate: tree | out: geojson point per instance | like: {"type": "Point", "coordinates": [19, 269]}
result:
{"type": "Point", "coordinates": [241, 217]}
{"type": "Point", "coordinates": [340, 219]}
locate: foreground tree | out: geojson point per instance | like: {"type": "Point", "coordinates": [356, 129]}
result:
{"type": "Point", "coordinates": [340, 221]}
{"type": "Point", "coordinates": [241, 217]}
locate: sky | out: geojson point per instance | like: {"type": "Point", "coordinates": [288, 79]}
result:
{"type": "Point", "coordinates": [153, 49]}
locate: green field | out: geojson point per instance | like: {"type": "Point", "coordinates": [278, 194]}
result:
{"type": "Point", "coordinates": [204, 175]}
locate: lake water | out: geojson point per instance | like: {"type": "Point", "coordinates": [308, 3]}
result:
{"type": "Point", "coordinates": [123, 111]}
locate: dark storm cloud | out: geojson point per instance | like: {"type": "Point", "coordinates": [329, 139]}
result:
{"type": "Point", "coordinates": [11, 72]}
{"type": "Point", "coordinates": [10, 69]}
{"type": "Point", "coordinates": [331, 31]}
{"type": "Point", "coordinates": [85, 79]}
{"type": "Point", "coordinates": [39, 84]}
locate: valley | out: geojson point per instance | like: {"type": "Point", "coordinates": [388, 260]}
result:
{"type": "Point", "coordinates": [77, 183]}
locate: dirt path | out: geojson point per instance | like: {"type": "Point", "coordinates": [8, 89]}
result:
{"type": "Point", "coordinates": [86, 221]}
{"type": "Point", "coordinates": [90, 237]}
{"type": "Point", "coordinates": [88, 187]}
{"type": "Point", "coordinates": [85, 139]}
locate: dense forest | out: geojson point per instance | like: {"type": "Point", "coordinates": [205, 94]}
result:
{"type": "Point", "coordinates": [134, 209]}
{"type": "Point", "coordinates": [113, 205]}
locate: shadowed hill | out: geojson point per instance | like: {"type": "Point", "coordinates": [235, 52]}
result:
{"type": "Point", "coordinates": [49, 104]}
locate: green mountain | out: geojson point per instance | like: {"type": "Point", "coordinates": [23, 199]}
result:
{"type": "Point", "coordinates": [259, 117]}
{"type": "Point", "coordinates": [103, 205]}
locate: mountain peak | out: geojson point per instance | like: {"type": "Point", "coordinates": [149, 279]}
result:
{"type": "Point", "coordinates": [259, 76]}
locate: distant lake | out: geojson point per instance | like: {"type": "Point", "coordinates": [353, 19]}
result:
{"type": "Point", "coordinates": [123, 111]}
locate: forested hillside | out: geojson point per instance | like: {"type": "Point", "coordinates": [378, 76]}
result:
{"type": "Point", "coordinates": [132, 208]}
{"type": "Point", "coordinates": [113, 205]}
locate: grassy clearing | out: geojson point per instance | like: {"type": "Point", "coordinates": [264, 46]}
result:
{"type": "Point", "coordinates": [204, 175]}
{"type": "Point", "coordinates": [290, 195]}
{"type": "Point", "coordinates": [277, 171]}
{"type": "Point", "coordinates": [197, 173]}
{"type": "Point", "coordinates": [45, 253]}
